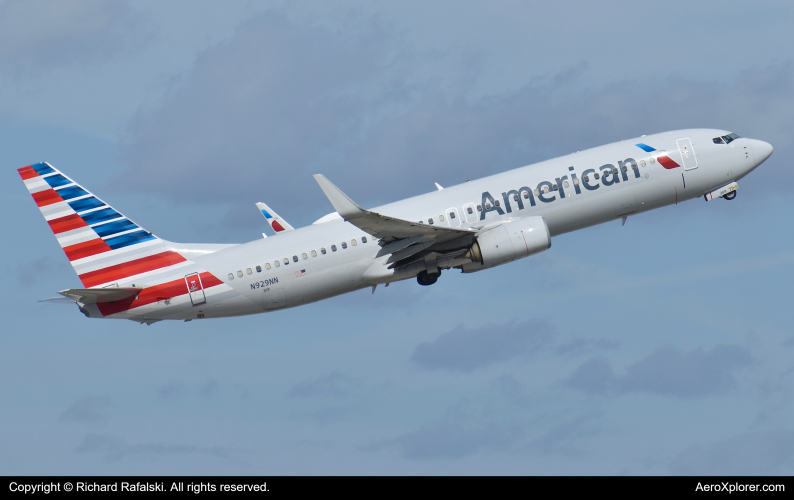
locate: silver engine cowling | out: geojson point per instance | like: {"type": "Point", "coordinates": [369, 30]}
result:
{"type": "Point", "coordinates": [508, 242]}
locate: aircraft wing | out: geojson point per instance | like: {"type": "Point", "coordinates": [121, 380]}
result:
{"type": "Point", "coordinates": [383, 226]}
{"type": "Point", "coordinates": [99, 295]}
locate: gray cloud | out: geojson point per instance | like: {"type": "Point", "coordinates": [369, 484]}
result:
{"type": "Point", "coordinates": [48, 33]}
{"type": "Point", "coordinates": [666, 371]}
{"type": "Point", "coordinates": [594, 375]}
{"type": "Point", "coordinates": [461, 431]}
{"type": "Point", "coordinates": [27, 273]}
{"type": "Point", "coordinates": [333, 385]}
{"type": "Point", "coordinates": [755, 453]}
{"type": "Point", "coordinates": [86, 409]}
{"type": "Point", "coordinates": [464, 349]}
{"type": "Point", "coordinates": [209, 388]}
{"type": "Point", "coordinates": [117, 449]}
{"type": "Point", "coordinates": [672, 372]}
{"type": "Point", "coordinates": [171, 390]}
{"type": "Point", "coordinates": [261, 112]}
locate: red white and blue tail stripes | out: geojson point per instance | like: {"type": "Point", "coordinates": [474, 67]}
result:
{"type": "Point", "coordinates": [103, 245]}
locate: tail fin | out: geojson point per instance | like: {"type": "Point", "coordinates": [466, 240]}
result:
{"type": "Point", "coordinates": [103, 245]}
{"type": "Point", "coordinates": [277, 223]}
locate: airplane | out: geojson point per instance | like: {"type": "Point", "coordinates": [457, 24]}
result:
{"type": "Point", "coordinates": [129, 273]}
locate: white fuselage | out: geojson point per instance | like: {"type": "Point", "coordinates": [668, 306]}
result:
{"type": "Point", "coordinates": [574, 205]}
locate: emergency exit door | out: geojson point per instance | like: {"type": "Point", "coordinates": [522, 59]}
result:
{"type": "Point", "coordinates": [195, 289]}
{"type": "Point", "coordinates": [687, 153]}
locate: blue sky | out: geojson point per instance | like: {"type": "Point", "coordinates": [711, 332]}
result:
{"type": "Point", "coordinates": [660, 347]}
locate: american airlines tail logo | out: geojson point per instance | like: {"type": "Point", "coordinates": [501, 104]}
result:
{"type": "Point", "coordinates": [663, 159]}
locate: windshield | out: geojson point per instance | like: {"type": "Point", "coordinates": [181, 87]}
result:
{"type": "Point", "coordinates": [726, 139]}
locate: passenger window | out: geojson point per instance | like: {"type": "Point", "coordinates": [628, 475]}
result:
{"type": "Point", "coordinates": [537, 193]}
{"type": "Point", "coordinates": [596, 175]}
{"type": "Point", "coordinates": [322, 250]}
{"type": "Point", "coordinates": [353, 242]}
{"type": "Point", "coordinates": [652, 160]}
{"type": "Point", "coordinates": [545, 189]}
{"type": "Point", "coordinates": [440, 218]}
{"type": "Point", "coordinates": [586, 178]}
{"type": "Point", "coordinates": [515, 197]}
{"type": "Point", "coordinates": [294, 258]}
{"type": "Point", "coordinates": [634, 166]}
{"type": "Point", "coordinates": [565, 183]}
{"type": "Point", "coordinates": [277, 263]}
{"type": "Point", "coordinates": [430, 221]}
{"type": "Point", "coordinates": [624, 168]}
{"type": "Point", "coordinates": [314, 253]}
{"type": "Point", "coordinates": [248, 271]}
{"type": "Point", "coordinates": [469, 210]}
{"type": "Point", "coordinates": [642, 163]}
{"type": "Point", "coordinates": [555, 187]}
{"type": "Point", "coordinates": [497, 203]}
{"type": "Point", "coordinates": [267, 266]}
{"type": "Point", "coordinates": [575, 182]}
{"type": "Point", "coordinates": [231, 277]}
{"type": "Point", "coordinates": [614, 170]}
{"type": "Point", "coordinates": [526, 195]}
{"type": "Point", "coordinates": [304, 256]}
{"type": "Point", "coordinates": [239, 274]}
{"type": "Point", "coordinates": [479, 208]}
{"type": "Point", "coordinates": [363, 239]}
{"type": "Point", "coordinates": [333, 248]}
{"type": "Point", "coordinates": [286, 261]}
{"type": "Point", "coordinates": [344, 245]}
{"type": "Point", "coordinates": [452, 215]}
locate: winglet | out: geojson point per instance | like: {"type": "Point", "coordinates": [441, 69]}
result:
{"type": "Point", "coordinates": [346, 207]}
{"type": "Point", "coordinates": [277, 223]}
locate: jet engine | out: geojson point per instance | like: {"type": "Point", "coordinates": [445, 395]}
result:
{"type": "Point", "coordinates": [508, 242]}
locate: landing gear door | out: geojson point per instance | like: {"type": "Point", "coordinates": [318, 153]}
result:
{"type": "Point", "coordinates": [687, 153]}
{"type": "Point", "coordinates": [195, 289]}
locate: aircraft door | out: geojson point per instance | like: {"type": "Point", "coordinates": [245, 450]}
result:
{"type": "Point", "coordinates": [453, 218]}
{"type": "Point", "coordinates": [470, 210]}
{"type": "Point", "coordinates": [195, 289]}
{"type": "Point", "coordinates": [687, 153]}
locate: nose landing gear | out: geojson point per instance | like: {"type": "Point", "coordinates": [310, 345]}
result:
{"type": "Point", "coordinates": [426, 279]}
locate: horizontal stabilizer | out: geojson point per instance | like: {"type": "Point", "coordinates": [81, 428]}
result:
{"type": "Point", "coordinates": [382, 226]}
{"type": "Point", "coordinates": [100, 295]}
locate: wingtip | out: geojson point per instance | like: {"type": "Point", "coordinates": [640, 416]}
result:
{"type": "Point", "coordinates": [346, 207]}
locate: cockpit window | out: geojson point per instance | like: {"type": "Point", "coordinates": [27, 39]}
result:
{"type": "Point", "coordinates": [730, 138]}
{"type": "Point", "coordinates": [726, 139]}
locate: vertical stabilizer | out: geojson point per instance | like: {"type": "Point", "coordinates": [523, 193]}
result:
{"type": "Point", "coordinates": [102, 245]}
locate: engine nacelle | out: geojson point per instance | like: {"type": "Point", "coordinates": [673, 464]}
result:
{"type": "Point", "coordinates": [508, 242]}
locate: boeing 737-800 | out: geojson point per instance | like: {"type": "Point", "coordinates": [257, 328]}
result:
{"type": "Point", "coordinates": [129, 273]}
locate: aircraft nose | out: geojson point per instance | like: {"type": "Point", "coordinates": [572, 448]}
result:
{"type": "Point", "coordinates": [761, 150]}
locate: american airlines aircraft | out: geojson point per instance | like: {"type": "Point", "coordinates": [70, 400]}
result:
{"type": "Point", "coordinates": [129, 273]}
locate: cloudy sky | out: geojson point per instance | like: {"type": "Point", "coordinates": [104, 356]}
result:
{"type": "Point", "coordinates": [661, 347]}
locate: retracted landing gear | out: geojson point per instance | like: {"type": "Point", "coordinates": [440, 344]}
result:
{"type": "Point", "coordinates": [426, 279]}
{"type": "Point", "coordinates": [730, 196]}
